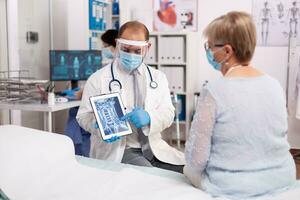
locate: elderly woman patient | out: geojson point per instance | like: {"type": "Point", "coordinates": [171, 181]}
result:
{"type": "Point", "coordinates": [237, 146]}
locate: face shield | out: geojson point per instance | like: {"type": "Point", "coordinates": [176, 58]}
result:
{"type": "Point", "coordinates": [131, 53]}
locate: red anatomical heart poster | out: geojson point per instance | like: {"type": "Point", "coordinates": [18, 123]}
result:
{"type": "Point", "coordinates": [175, 15]}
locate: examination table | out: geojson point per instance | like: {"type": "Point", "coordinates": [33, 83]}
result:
{"type": "Point", "coordinates": [39, 165]}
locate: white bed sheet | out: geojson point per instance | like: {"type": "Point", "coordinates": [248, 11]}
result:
{"type": "Point", "coordinates": [38, 165]}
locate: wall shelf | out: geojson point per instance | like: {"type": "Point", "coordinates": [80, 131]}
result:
{"type": "Point", "coordinates": [179, 69]}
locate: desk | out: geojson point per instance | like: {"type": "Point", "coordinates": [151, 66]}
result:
{"type": "Point", "coordinates": [47, 109]}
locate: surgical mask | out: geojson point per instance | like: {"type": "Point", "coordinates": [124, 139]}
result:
{"type": "Point", "coordinates": [130, 61]}
{"type": "Point", "coordinates": [107, 53]}
{"type": "Point", "coordinates": [212, 61]}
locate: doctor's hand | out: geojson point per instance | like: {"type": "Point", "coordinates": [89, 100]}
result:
{"type": "Point", "coordinates": [110, 140]}
{"type": "Point", "coordinates": [139, 117]}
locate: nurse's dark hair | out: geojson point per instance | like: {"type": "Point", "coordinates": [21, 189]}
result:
{"type": "Point", "coordinates": [135, 26]}
{"type": "Point", "coordinates": [110, 36]}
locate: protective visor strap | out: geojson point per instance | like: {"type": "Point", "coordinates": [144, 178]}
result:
{"type": "Point", "coordinates": [133, 42]}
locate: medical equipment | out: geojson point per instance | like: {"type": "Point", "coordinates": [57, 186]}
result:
{"type": "Point", "coordinates": [176, 103]}
{"type": "Point", "coordinates": [110, 140]}
{"type": "Point", "coordinates": [73, 65]}
{"type": "Point", "coordinates": [153, 84]}
{"type": "Point", "coordinates": [18, 86]}
{"type": "Point", "coordinates": [61, 99]}
{"type": "Point", "coordinates": [108, 110]}
{"type": "Point", "coordinates": [132, 47]}
{"type": "Point", "coordinates": [51, 98]}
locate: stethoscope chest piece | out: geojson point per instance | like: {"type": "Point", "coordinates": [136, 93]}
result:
{"type": "Point", "coordinates": [153, 85]}
{"type": "Point", "coordinates": [115, 83]}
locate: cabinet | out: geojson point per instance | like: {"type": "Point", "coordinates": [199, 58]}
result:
{"type": "Point", "coordinates": [115, 15]}
{"type": "Point", "coordinates": [176, 54]}
{"type": "Point", "coordinates": [100, 19]}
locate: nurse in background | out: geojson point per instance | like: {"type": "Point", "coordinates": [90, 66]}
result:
{"type": "Point", "coordinates": [237, 146]}
{"type": "Point", "coordinates": [79, 136]}
{"type": "Point", "coordinates": [108, 39]}
{"type": "Point", "coordinates": [109, 45]}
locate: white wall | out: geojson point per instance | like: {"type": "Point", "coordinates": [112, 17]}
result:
{"type": "Point", "coordinates": [3, 36]}
{"type": "Point", "coordinates": [13, 48]}
{"type": "Point", "coordinates": [78, 25]}
{"type": "Point", "coordinates": [33, 15]}
{"type": "Point", "coordinates": [70, 22]}
{"type": "Point", "coordinates": [4, 116]}
{"type": "Point", "coordinates": [59, 24]}
{"type": "Point", "coordinates": [272, 60]}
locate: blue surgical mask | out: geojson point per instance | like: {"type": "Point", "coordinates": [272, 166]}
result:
{"type": "Point", "coordinates": [106, 53]}
{"type": "Point", "coordinates": [212, 61]}
{"type": "Point", "coordinates": [130, 61]}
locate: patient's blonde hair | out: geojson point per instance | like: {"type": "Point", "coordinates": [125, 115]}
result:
{"type": "Point", "coordinates": [236, 29]}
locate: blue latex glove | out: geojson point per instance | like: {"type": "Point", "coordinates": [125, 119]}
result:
{"type": "Point", "coordinates": [110, 140]}
{"type": "Point", "coordinates": [70, 94]}
{"type": "Point", "coordinates": [139, 117]}
{"type": "Point", "coordinates": [76, 89]}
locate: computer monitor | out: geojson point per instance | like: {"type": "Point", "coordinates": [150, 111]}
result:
{"type": "Point", "coordinates": [74, 65]}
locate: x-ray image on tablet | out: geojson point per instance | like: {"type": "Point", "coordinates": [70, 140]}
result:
{"type": "Point", "coordinates": [108, 110]}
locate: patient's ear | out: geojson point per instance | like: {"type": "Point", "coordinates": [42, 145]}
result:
{"type": "Point", "coordinates": [228, 50]}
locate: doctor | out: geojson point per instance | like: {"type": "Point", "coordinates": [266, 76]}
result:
{"type": "Point", "coordinates": [146, 96]}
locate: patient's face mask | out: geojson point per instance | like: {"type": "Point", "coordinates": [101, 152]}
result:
{"type": "Point", "coordinates": [210, 57]}
{"type": "Point", "coordinates": [131, 53]}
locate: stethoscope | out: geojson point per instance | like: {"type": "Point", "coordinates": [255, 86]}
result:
{"type": "Point", "coordinates": [152, 84]}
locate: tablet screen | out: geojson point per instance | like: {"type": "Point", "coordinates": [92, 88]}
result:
{"type": "Point", "coordinates": [108, 110]}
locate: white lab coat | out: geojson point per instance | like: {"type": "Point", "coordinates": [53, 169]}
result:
{"type": "Point", "coordinates": [157, 103]}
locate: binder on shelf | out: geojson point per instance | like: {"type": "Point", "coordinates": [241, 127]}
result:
{"type": "Point", "coordinates": [172, 49]}
{"type": "Point", "coordinates": [178, 82]}
{"type": "Point", "coordinates": [176, 77]}
{"type": "Point", "coordinates": [151, 55]}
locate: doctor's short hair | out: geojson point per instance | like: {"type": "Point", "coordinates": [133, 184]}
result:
{"type": "Point", "coordinates": [135, 26]}
{"type": "Point", "coordinates": [236, 29]}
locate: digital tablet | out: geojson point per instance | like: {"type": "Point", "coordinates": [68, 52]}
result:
{"type": "Point", "coordinates": [108, 109]}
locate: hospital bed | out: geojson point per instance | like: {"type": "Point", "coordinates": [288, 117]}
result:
{"type": "Point", "coordinates": [41, 165]}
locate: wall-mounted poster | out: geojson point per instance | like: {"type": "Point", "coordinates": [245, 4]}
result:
{"type": "Point", "coordinates": [175, 15]}
{"type": "Point", "coordinates": [276, 21]}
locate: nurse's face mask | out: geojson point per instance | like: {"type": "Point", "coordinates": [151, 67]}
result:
{"type": "Point", "coordinates": [107, 53]}
{"type": "Point", "coordinates": [131, 53]}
